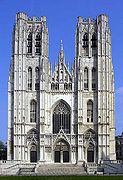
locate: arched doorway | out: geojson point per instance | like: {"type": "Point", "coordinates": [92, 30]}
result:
{"type": "Point", "coordinates": [33, 144]}
{"type": "Point", "coordinates": [61, 152]}
{"type": "Point", "coordinates": [90, 147]}
{"type": "Point", "coordinates": [90, 153]}
{"type": "Point", "coordinates": [33, 153]}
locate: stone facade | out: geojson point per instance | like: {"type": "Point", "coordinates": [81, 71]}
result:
{"type": "Point", "coordinates": [61, 115]}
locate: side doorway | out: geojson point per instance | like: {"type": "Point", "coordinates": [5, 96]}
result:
{"type": "Point", "coordinates": [90, 153]}
{"type": "Point", "coordinates": [33, 153]}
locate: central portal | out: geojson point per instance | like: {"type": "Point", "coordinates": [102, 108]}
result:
{"type": "Point", "coordinates": [61, 152]}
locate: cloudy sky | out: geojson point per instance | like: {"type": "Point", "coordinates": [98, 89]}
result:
{"type": "Point", "coordinates": [61, 19]}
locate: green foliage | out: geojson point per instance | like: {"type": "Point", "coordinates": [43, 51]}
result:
{"type": "Point", "coordinates": [1, 145]}
{"type": "Point", "coordinates": [3, 151]}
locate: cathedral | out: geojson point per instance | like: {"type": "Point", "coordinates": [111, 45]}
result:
{"type": "Point", "coordinates": [60, 114]}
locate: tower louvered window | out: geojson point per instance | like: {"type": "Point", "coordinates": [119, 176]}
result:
{"type": "Point", "coordinates": [94, 44]}
{"type": "Point", "coordinates": [38, 44]}
{"type": "Point", "coordinates": [29, 43]}
{"type": "Point", "coordinates": [37, 84]}
{"type": "Point", "coordinates": [85, 40]}
{"type": "Point", "coordinates": [85, 45]}
{"type": "Point", "coordinates": [33, 111]}
{"type": "Point", "coordinates": [94, 41]}
{"type": "Point", "coordinates": [86, 78]}
{"type": "Point", "coordinates": [29, 78]}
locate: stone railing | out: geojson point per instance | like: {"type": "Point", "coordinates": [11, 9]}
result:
{"type": "Point", "coordinates": [93, 168]}
{"type": "Point", "coordinates": [12, 167]}
{"type": "Point", "coordinates": [112, 161]}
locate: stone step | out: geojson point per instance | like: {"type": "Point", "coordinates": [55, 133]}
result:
{"type": "Point", "coordinates": [27, 171]}
{"type": "Point", "coordinates": [60, 170]}
{"type": "Point", "coordinates": [28, 174]}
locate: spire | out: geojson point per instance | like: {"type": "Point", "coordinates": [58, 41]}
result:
{"type": "Point", "coordinates": [61, 46]}
{"type": "Point", "coordinates": [68, 66]}
{"type": "Point", "coordinates": [55, 66]}
{"type": "Point", "coordinates": [61, 53]}
{"type": "Point", "coordinates": [50, 69]}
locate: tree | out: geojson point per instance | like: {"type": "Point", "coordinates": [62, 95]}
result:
{"type": "Point", "coordinates": [3, 151]}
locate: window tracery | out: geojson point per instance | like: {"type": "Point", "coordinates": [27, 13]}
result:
{"type": "Point", "coordinates": [33, 135]}
{"type": "Point", "coordinates": [61, 118]}
{"type": "Point", "coordinates": [90, 136]}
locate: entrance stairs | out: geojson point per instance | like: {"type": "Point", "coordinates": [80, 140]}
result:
{"type": "Point", "coordinates": [27, 172]}
{"type": "Point", "coordinates": [60, 170]}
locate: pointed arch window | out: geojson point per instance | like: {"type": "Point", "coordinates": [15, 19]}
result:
{"type": "Point", "coordinates": [94, 41]}
{"type": "Point", "coordinates": [29, 43]}
{"type": "Point", "coordinates": [66, 78]}
{"type": "Point", "coordinates": [57, 86]}
{"type": "Point", "coordinates": [29, 78]}
{"type": "Point", "coordinates": [52, 86]}
{"type": "Point", "coordinates": [61, 118]}
{"type": "Point", "coordinates": [94, 44]}
{"type": "Point", "coordinates": [62, 75]}
{"type": "Point", "coordinates": [65, 86]}
{"type": "Point", "coordinates": [90, 111]}
{"type": "Point", "coordinates": [85, 45]}
{"type": "Point", "coordinates": [70, 86]}
{"type": "Point", "coordinates": [33, 111]}
{"type": "Point", "coordinates": [86, 78]}
{"type": "Point", "coordinates": [93, 79]}
{"type": "Point", "coordinates": [38, 44]}
{"type": "Point", "coordinates": [85, 40]}
{"type": "Point", "coordinates": [37, 84]}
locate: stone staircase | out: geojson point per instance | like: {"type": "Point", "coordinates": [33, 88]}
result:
{"type": "Point", "coordinates": [26, 172]}
{"type": "Point", "coordinates": [94, 168]}
{"type": "Point", "coordinates": [60, 169]}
